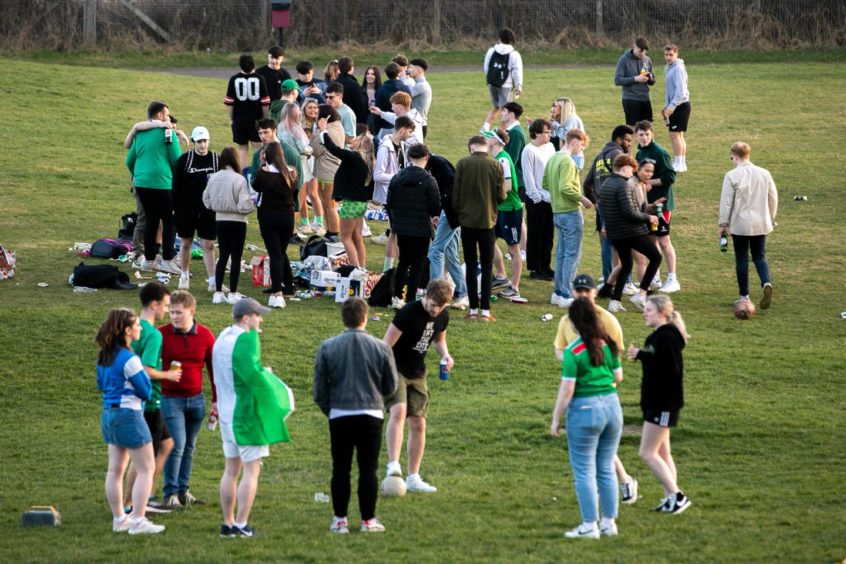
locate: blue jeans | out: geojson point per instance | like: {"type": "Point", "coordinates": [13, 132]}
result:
{"type": "Point", "coordinates": [445, 246]}
{"type": "Point", "coordinates": [568, 253]}
{"type": "Point", "coordinates": [742, 246]}
{"type": "Point", "coordinates": [594, 426]}
{"type": "Point", "coordinates": [184, 419]}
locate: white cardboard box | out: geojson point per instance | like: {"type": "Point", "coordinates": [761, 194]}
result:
{"type": "Point", "coordinates": [324, 278]}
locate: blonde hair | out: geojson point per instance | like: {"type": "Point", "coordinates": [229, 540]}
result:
{"type": "Point", "coordinates": [366, 149]}
{"type": "Point", "coordinates": [567, 107]}
{"type": "Point", "coordinates": [664, 306]}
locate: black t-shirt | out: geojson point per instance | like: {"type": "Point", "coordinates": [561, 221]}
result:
{"type": "Point", "coordinates": [190, 176]}
{"type": "Point", "coordinates": [247, 94]}
{"type": "Point", "coordinates": [419, 329]}
{"type": "Point", "coordinates": [273, 79]}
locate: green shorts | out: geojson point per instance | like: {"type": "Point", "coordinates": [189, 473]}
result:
{"type": "Point", "coordinates": [352, 209]}
{"type": "Point", "coordinates": [414, 392]}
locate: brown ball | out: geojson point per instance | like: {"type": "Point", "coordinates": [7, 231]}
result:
{"type": "Point", "coordinates": [744, 309]}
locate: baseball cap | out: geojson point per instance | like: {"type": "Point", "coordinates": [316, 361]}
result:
{"type": "Point", "coordinates": [248, 306]}
{"type": "Point", "coordinates": [199, 133]}
{"type": "Point", "coordinates": [490, 134]}
{"type": "Point", "coordinates": [288, 85]}
{"type": "Point", "coordinates": [584, 281]}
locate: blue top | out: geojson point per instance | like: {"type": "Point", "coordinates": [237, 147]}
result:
{"type": "Point", "coordinates": [124, 382]}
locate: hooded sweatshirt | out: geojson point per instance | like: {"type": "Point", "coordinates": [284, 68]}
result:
{"type": "Point", "coordinates": [628, 67]}
{"type": "Point", "coordinates": [515, 65]}
{"type": "Point", "coordinates": [676, 77]}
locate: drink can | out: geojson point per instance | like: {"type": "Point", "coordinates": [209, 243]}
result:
{"type": "Point", "coordinates": [443, 373]}
{"type": "Point", "coordinates": [168, 134]}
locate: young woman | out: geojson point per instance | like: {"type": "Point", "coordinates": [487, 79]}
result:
{"type": "Point", "coordinates": [326, 164]}
{"type": "Point", "coordinates": [331, 72]}
{"type": "Point", "coordinates": [591, 368]}
{"type": "Point", "coordinates": [308, 120]}
{"type": "Point", "coordinates": [563, 116]}
{"type": "Point", "coordinates": [276, 182]}
{"type": "Point", "coordinates": [291, 131]}
{"type": "Point", "coordinates": [371, 82]}
{"type": "Point", "coordinates": [662, 395]}
{"type": "Point", "coordinates": [125, 385]}
{"type": "Point", "coordinates": [228, 196]}
{"type": "Point", "coordinates": [353, 188]}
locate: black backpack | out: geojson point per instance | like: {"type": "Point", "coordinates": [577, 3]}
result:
{"type": "Point", "coordinates": [101, 276]}
{"type": "Point", "coordinates": [383, 291]}
{"type": "Point", "coordinates": [126, 232]}
{"type": "Point", "coordinates": [498, 68]}
{"type": "Point", "coordinates": [315, 245]}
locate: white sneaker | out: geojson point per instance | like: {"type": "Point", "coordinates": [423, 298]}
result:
{"type": "Point", "coordinates": [461, 303]}
{"type": "Point", "coordinates": [144, 526]}
{"type": "Point", "coordinates": [583, 533]}
{"type": "Point", "coordinates": [365, 229]}
{"type": "Point", "coordinates": [168, 266]}
{"type": "Point", "coordinates": [656, 283]}
{"type": "Point", "coordinates": [523, 255]}
{"type": "Point", "coordinates": [670, 286]}
{"type": "Point", "coordinates": [565, 302]}
{"type": "Point", "coordinates": [318, 229]}
{"type": "Point", "coordinates": [184, 282]}
{"type": "Point", "coordinates": [219, 298]}
{"type": "Point", "coordinates": [276, 301]}
{"type": "Point", "coordinates": [615, 306]}
{"type": "Point", "coordinates": [608, 529]}
{"type": "Point", "coordinates": [393, 469]}
{"type": "Point", "coordinates": [304, 230]}
{"type": "Point", "coordinates": [380, 239]}
{"type": "Point", "coordinates": [414, 483]}
{"type": "Point", "coordinates": [372, 526]}
{"type": "Point", "coordinates": [340, 526]}
{"type": "Point", "coordinates": [121, 524]}
{"type": "Point", "coordinates": [234, 297]}
{"type": "Point", "coordinates": [555, 300]}
{"type": "Point", "coordinates": [144, 265]}
{"type": "Point", "coordinates": [630, 289]}
{"type": "Point", "coordinates": [397, 303]}
{"type": "Point", "coordinates": [638, 301]}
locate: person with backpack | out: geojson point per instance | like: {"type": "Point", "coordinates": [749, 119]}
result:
{"type": "Point", "coordinates": [504, 73]}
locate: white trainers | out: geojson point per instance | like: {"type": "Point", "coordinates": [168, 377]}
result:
{"type": "Point", "coordinates": [340, 526]}
{"type": "Point", "coordinates": [372, 526]}
{"type": "Point", "coordinates": [219, 298]}
{"type": "Point", "coordinates": [234, 297]}
{"type": "Point", "coordinates": [565, 302]}
{"type": "Point", "coordinates": [121, 524]}
{"type": "Point", "coordinates": [615, 306]}
{"type": "Point", "coordinates": [629, 491]}
{"type": "Point", "coordinates": [461, 303]}
{"type": "Point", "coordinates": [276, 301]}
{"type": "Point", "coordinates": [223, 288]}
{"type": "Point", "coordinates": [380, 239]}
{"type": "Point", "coordinates": [414, 483]}
{"type": "Point", "coordinates": [608, 528]}
{"type": "Point", "coordinates": [670, 286]}
{"type": "Point", "coordinates": [582, 532]}
{"type": "Point", "coordinates": [656, 283]}
{"type": "Point", "coordinates": [397, 303]}
{"type": "Point", "coordinates": [144, 526]}
{"type": "Point", "coordinates": [304, 230]}
{"type": "Point", "coordinates": [393, 469]}
{"type": "Point", "coordinates": [555, 299]}
{"type": "Point", "coordinates": [318, 229]}
{"type": "Point", "coordinates": [365, 229]}
{"type": "Point", "coordinates": [168, 266]}
{"type": "Point", "coordinates": [144, 265]}
{"type": "Point", "coordinates": [630, 289]}
{"type": "Point", "coordinates": [184, 282]}
{"type": "Point", "coordinates": [638, 301]}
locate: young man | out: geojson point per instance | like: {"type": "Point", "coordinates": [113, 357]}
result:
{"type": "Point", "coordinates": [635, 74]}
{"type": "Point", "coordinates": [661, 192]}
{"type": "Point", "coordinates": [421, 92]}
{"type": "Point", "coordinates": [748, 206]}
{"type": "Point", "coordinates": [354, 362]}
{"type": "Point", "coordinates": [273, 73]}
{"type": "Point", "coordinates": [155, 301]}
{"type": "Point", "coordinates": [402, 63]}
{"type": "Point", "coordinates": [401, 106]}
{"type": "Point", "coordinates": [183, 404]}
{"type": "Point", "coordinates": [391, 86]}
{"type": "Point", "coordinates": [540, 231]}
{"type": "Point", "coordinates": [479, 188]}
{"type": "Point", "coordinates": [509, 119]}
{"type": "Point", "coordinates": [150, 161]}
{"type": "Point", "coordinates": [335, 98]}
{"type": "Point", "coordinates": [509, 221]}
{"type": "Point", "coordinates": [253, 405]}
{"type": "Point", "coordinates": [561, 179]}
{"type": "Point", "coordinates": [676, 110]}
{"type": "Point", "coordinates": [310, 87]}
{"type": "Point", "coordinates": [503, 68]}
{"type": "Point", "coordinates": [353, 97]}
{"type": "Point", "coordinates": [600, 170]}
{"type": "Point", "coordinates": [415, 328]}
{"type": "Point", "coordinates": [247, 101]}
{"type": "Point", "coordinates": [585, 287]}
{"type": "Point", "coordinates": [190, 176]}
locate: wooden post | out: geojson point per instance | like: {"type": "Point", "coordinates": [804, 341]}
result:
{"type": "Point", "coordinates": [89, 23]}
{"type": "Point", "coordinates": [264, 18]}
{"type": "Point", "coordinates": [436, 22]}
{"type": "Point", "coordinates": [599, 27]}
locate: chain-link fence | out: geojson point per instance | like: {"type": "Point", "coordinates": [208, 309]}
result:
{"type": "Point", "coordinates": [246, 24]}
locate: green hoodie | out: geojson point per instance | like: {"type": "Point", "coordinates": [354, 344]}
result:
{"type": "Point", "coordinates": [150, 160]}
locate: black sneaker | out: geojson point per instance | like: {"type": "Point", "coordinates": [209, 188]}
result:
{"type": "Point", "coordinates": [677, 504]}
{"type": "Point", "coordinates": [154, 506]}
{"type": "Point", "coordinates": [499, 282]}
{"type": "Point", "coordinates": [605, 291]}
{"type": "Point", "coordinates": [537, 275]}
{"type": "Point", "coordinates": [227, 532]}
{"type": "Point", "coordinates": [665, 502]}
{"type": "Point", "coordinates": [187, 499]}
{"type": "Point", "coordinates": [245, 531]}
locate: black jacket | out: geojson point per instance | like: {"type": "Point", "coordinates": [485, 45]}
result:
{"type": "Point", "coordinates": [353, 97]}
{"type": "Point", "coordinates": [620, 213]}
{"type": "Point", "coordinates": [662, 387]}
{"type": "Point", "coordinates": [383, 99]}
{"type": "Point", "coordinates": [413, 200]}
{"type": "Point", "coordinates": [444, 173]}
{"type": "Point", "coordinates": [350, 178]}
{"type": "Point", "coordinates": [600, 170]}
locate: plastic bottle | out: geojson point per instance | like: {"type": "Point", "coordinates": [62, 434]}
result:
{"type": "Point", "coordinates": [212, 425]}
{"type": "Point", "coordinates": [724, 244]}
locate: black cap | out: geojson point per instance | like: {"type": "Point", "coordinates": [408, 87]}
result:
{"type": "Point", "coordinates": [584, 281]}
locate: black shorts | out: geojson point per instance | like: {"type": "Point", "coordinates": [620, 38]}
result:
{"type": "Point", "coordinates": [199, 220]}
{"type": "Point", "coordinates": [509, 226]}
{"type": "Point", "coordinates": [244, 131]}
{"type": "Point", "coordinates": [663, 224]}
{"type": "Point", "coordinates": [637, 110]}
{"type": "Point", "coordinates": [661, 418]}
{"type": "Point", "coordinates": [158, 429]}
{"type": "Point", "coordinates": [679, 118]}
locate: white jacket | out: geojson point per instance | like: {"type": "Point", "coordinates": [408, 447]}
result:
{"type": "Point", "coordinates": [749, 200]}
{"type": "Point", "coordinates": [228, 196]}
{"type": "Point", "coordinates": [387, 165]}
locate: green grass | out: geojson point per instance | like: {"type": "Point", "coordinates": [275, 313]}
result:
{"type": "Point", "coordinates": [759, 447]}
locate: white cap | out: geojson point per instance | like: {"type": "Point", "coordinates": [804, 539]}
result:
{"type": "Point", "coordinates": [199, 134]}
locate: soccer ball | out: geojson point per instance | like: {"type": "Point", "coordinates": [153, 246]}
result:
{"type": "Point", "coordinates": [393, 486]}
{"type": "Point", "coordinates": [744, 309]}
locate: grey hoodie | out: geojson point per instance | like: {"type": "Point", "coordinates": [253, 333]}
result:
{"type": "Point", "coordinates": [628, 67]}
{"type": "Point", "coordinates": [676, 77]}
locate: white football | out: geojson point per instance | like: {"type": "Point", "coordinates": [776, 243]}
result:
{"type": "Point", "coordinates": [393, 486]}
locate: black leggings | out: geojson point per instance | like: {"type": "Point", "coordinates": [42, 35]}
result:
{"type": "Point", "coordinates": [276, 229]}
{"type": "Point", "coordinates": [645, 245]}
{"type": "Point", "coordinates": [539, 235]}
{"type": "Point", "coordinates": [230, 237]}
{"type": "Point", "coordinates": [485, 240]}
{"type": "Point", "coordinates": [413, 251]}
{"type": "Point", "coordinates": [364, 434]}
{"type": "Point", "coordinates": [157, 207]}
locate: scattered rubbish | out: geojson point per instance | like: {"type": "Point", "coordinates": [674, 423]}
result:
{"type": "Point", "coordinates": [163, 277]}
{"type": "Point", "coordinates": [83, 290]}
{"type": "Point", "coordinates": [800, 198]}
{"type": "Point", "coordinates": [843, 315]}
{"type": "Point", "coordinates": [546, 317]}
{"type": "Point", "coordinates": [321, 497]}
{"type": "Point", "coordinates": [42, 284]}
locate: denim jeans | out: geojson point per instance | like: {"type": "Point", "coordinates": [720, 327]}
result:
{"type": "Point", "coordinates": [594, 426]}
{"type": "Point", "coordinates": [184, 419]}
{"type": "Point", "coordinates": [568, 253]}
{"type": "Point", "coordinates": [742, 245]}
{"type": "Point", "coordinates": [445, 247]}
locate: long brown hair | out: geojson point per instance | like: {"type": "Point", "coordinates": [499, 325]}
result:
{"type": "Point", "coordinates": [273, 155]}
{"type": "Point", "coordinates": [111, 335]}
{"type": "Point", "coordinates": [586, 321]}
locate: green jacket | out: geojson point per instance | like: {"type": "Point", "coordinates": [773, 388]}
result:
{"type": "Point", "coordinates": [477, 190]}
{"type": "Point", "coordinates": [561, 179]}
{"type": "Point", "coordinates": [150, 160]}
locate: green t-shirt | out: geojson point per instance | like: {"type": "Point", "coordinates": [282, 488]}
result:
{"type": "Point", "coordinates": [148, 347]}
{"type": "Point", "coordinates": [512, 199]}
{"type": "Point", "coordinates": [590, 380]}
{"type": "Point", "coordinates": [514, 148]}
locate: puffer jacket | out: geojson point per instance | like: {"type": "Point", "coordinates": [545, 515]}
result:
{"type": "Point", "coordinates": [227, 194]}
{"type": "Point", "coordinates": [620, 209]}
{"type": "Point", "coordinates": [413, 200]}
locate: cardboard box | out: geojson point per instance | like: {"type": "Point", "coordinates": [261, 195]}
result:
{"type": "Point", "coordinates": [338, 259]}
{"type": "Point", "coordinates": [324, 278]}
{"type": "Point", "coordinates": [348, 287]}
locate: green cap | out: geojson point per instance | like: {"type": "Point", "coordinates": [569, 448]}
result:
{"type": "Point", "coordinates": [288, 85]}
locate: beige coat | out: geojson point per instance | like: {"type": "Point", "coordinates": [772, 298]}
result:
{"type": "Point", "coordinates": [325, 163]}
{"type": "Point", "coordinates": [749, 200]}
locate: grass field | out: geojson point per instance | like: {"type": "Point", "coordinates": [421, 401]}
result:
{"type": "Point", "coordinates": [759, 446]}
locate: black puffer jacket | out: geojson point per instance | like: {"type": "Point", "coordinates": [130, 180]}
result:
{"type": "Point", "coordinates": [413, 200]}
{"type": "Point", "coordinates": [620, 212]}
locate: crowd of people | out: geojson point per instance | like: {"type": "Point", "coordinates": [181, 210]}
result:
{"type": "Point", "coordinates": [338, 148]}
